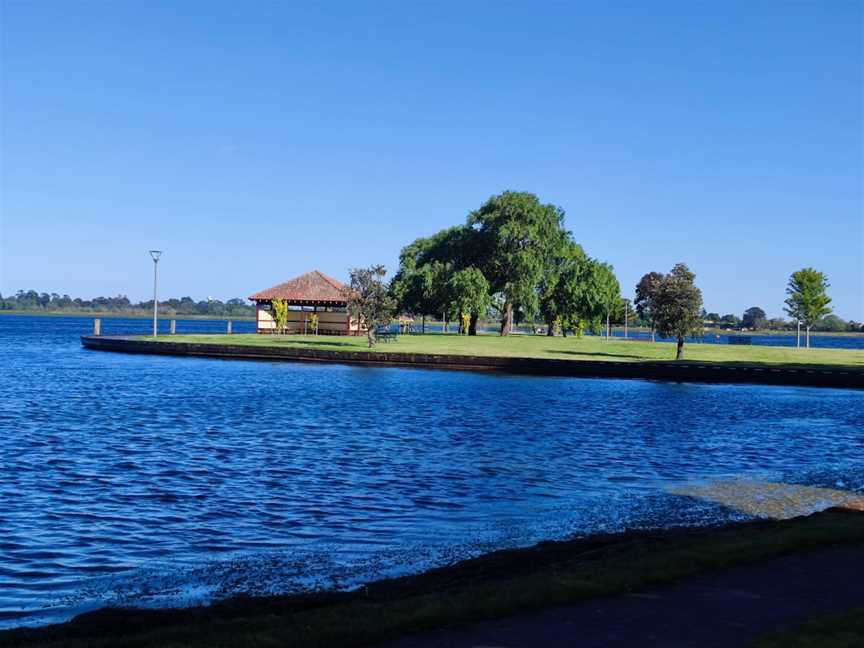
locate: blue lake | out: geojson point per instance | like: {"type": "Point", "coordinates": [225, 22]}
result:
{"type": "Point", "coordinates": [144, 480]}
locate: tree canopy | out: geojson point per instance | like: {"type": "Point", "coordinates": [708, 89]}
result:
{"type": "Point", "coordinates": [646, 292]}
{"type": "Point", "coordinates": [369, 298]}
{"type": "Point", "coordinates": [808, 298]}
{"type": "Point", "coordinates": [517, 248]}
{"type": "Point", "coordinates": [678, 306]}
{"type": "Point", "coordinates": [754, 318]}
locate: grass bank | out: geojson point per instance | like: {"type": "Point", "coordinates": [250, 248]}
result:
{"type": "Point", "coordinates": [842, 630]}
{"type": "Point", "coordinates": [539, 346]}
{"type": "Point", "coordinates": [494, 585]}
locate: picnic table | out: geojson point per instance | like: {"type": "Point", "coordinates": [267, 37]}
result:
{"type": "Point", "coordinates": [385, 334]}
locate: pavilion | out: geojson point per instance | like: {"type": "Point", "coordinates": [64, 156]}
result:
{"type": "Point", "coordinates": [313, 292]}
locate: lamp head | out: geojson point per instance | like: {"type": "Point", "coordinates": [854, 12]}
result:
{"type": "Point", "coordinates": [155, 254]}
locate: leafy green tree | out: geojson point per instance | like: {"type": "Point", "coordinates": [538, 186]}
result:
{"type": "Point", "coordinates": [754, 318]}
{"type": "Point", "coordinates": [832, 323]}
{"type": "Point", "coordinates": [609, 292]}
{"type": "Point", "coordinates": [678, 306]}
{"type": "Point", "coordinates": [808, 298]}
{"type": "Point", "coordinates": [558, 289]}
{"type": "Point", "coordinates": [468, 292]}
{"type": "Point", "coordinates": [369, 299]}
{"type": "Point", "coordinates": [425, 266]}
{"type": "Point", "coordinates": [731, 320]}
{"type": "Point", "coordinates": [516, 235]}
{"type": "Point", "coordinates": [646, 291]}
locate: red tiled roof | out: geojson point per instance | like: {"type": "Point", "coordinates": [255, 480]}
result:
{"type": "Point", "coordinates": [313, 286]}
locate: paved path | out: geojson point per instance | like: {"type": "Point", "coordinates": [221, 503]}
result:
{"type": "Point", "coordinates": [729, 609]}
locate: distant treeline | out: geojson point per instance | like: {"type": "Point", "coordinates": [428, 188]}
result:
{"type": "Point", "coordinates": [31, 300]}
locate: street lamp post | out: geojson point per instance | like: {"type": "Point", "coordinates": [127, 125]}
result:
{"type": "Point", "coordinates": [155, 254]}
{"type": "Point", "coordinates": [626, 313]}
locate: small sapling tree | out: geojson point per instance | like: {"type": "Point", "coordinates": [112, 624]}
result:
{"type": "Point", "coordinates": [279, 310]}
{"type": "Point", "coordinates": [808, 300]}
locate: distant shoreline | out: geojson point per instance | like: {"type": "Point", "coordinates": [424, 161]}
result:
{"type": "Point", "coordinates": [251, 318]}
{"type": "Point", "coordinates": [134, 315]}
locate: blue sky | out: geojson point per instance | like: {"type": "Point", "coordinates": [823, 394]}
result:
{"type": "Point", "coordinates": [255, 141]}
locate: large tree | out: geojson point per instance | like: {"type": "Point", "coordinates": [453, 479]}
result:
{"type": "Point", "coordinates": [369, 299]}
{"type": "Point", "coordinates": [808, 298]}
{"type": "Point", "coordinates": [678, 306]}
{"type": "Point", "coordinates": [646, 291]}
{"type": "Point", "coordinates": [578, 297]}
{"type": "Point", "coordinates": [425, 267]}
{"type": "Point", "coordinates": [516, 237]}
{"type": "Point", "coordinates": [754, 318]}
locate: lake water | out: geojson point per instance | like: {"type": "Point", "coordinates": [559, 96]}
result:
{"type": "Point", "coordinates": [145, 480]}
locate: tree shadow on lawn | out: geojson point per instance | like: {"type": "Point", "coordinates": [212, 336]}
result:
{"type": "Point", "coordinates": [319, 343]}
{"type": "Point", "coordinates": [602, 354]}
{"type": "Point", "coordinates": [743, 364]}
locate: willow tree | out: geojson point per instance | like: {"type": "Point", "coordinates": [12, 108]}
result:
{"type": "Point", "coordinates": [808, 298]}
{"type": "Point", "coordinates": [678, 306]}
{"type": "Point", "coordinates": [559, 285]}
{"type": "Point", "coordinates": [469, 294]}
{"type": "Point", "coordinates": [425, 267]}
{"type": "Point", "coordinates": [516, 236]}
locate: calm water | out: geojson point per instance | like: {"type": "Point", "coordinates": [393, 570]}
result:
{"type": "Point", "coordinates": [152, 480]}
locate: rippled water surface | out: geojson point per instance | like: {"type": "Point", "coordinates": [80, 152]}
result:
{"type": "Point", "coordinates": [154, 480]}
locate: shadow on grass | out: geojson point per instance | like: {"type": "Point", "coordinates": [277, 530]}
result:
{"type": "Point", "coordinates": [318, 343]}
{"type": "Point", "coordinates": [599, 354]}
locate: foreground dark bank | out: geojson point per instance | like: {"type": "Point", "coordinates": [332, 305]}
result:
{"type": "Point", "coordinates": [494, 585]}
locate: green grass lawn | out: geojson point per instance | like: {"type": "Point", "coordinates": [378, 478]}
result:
{"type": "Point", "coordinates": [538, 346]}
{"type": "Point", "coordinates": [842, 630]}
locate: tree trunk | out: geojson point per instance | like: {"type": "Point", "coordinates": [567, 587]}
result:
{"type": "Point", "coordinates": [550, 328]}
{"type": "Point", "coordinates": [608, 329]}
{"type": "Point", "coordinates": [423, 325]}
{"type": "Point", "coordinates": [370, 333]}
{"type": "Point", "coordinates": [808, 337]}
{"type": "Point", "coordinates": [679, 354]}
{"type": "Point", "coordinates": [653, 339]}
{"type": "Point", "coordinates": [507, 320]}
{"type": "Point", "coordinates": [472, 326]}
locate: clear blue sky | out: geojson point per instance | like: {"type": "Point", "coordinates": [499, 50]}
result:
{"type": "Point", "coordinates": [253, 141]}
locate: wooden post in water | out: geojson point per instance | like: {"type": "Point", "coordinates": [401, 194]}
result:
{"type": "Point", "coordinates": [228, 328]}
{"type": "Point", "coordinates": [173, 328]}
{"type": "Point", "coordinates": [97, 326]}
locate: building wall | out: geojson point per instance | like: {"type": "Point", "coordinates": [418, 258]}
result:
{"type": "Point", "coordinates": [330, 321]}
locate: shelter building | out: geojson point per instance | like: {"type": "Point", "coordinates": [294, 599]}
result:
{"type": "Point", "coordinates": [310, 293]}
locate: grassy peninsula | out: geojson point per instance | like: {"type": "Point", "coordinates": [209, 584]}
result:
{"type": "Point", "coordinates": [539, 346]}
